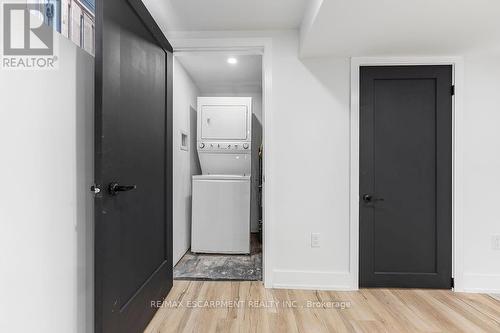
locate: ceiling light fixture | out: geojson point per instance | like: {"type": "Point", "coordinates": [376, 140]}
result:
{"type": "Point", "coordinates": [232, 60]}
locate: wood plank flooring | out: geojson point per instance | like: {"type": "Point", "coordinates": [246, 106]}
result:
{"type": "Point", "coordinates": [200, 306]}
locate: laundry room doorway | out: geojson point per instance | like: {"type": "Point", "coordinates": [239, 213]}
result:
{"type": "Point", "coordinates": [219, 176]}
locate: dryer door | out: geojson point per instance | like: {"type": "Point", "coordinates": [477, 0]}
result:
{"type": "Point", "coordinates": [224, 122]}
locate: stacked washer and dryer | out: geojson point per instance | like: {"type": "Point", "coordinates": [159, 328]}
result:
{"type": "Point", "coordinates": [221, 195]}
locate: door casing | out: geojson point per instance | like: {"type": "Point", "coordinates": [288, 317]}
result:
{"type": "Point", "coordinates": [457, 157]}
{"type": "Point", "coordinates": [205, 44]}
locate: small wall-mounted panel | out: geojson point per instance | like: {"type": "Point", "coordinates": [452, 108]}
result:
{"type": "Point", "coordinates": [184, 140]}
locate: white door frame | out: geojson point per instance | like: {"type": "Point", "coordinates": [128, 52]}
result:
{"type": "Point", "coordinates": [262, 46]}
{"type": "Point", "coordinates": [457, 165]}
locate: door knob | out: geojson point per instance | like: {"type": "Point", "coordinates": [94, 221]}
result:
{"type": "Point", "coordinates": [370, 198]}
{"type": "Point", "coordinates": [114, 188]}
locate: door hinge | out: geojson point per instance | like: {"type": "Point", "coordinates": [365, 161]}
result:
{"type": "Point", "coordinates": [453, 90]}
{"type": "Point", "coordinates": [453, 282]}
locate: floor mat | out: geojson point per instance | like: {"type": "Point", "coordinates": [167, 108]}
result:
{"type": "Point", "coordinates": [221, 267]}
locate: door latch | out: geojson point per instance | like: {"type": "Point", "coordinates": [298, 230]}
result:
{"type": "Point", "coordinates": [95, 189]}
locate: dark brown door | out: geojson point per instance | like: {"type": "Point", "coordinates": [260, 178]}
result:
{"type": "Point", "coordinates": [406, 176]}
{"type": "Point", "coordinates": [133, 212]}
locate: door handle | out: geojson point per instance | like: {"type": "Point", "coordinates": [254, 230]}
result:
{"type": "Point", "coordinates": [114, 188]}
{"type": "Point", "coordinates": [367, 198]}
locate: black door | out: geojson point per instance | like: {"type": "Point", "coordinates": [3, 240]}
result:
{"type": "Point", "coordinates": [405, 176]}
{"type": "Point", "coordinates": [133, 212]}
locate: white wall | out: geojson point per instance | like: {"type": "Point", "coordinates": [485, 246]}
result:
{"type": "Point", "coordinates": [309, 166]}
{"type": "Point", "coordinates": [481, 166]}
{"type": "Point", "coordinates": [46, 209]}
{"type": "Point", "coordinates": [185, 163]}
{"type": "Point", "coordinates": [308, 142]}
{"type": "Point", "coordinates": [320, 88]}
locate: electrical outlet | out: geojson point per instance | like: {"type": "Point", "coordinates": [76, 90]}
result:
{"type": "Point", "coordinates": [495, 242]}
{"type": "Point", "coordinates": [315, 241]}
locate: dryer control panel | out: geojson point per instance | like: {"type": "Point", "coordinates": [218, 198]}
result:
{"type": "Point", "coordinates": [233, 147]}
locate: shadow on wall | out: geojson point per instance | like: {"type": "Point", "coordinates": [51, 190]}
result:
{"type": "Point", "coordinates": [254, 195]}
{"type": "Point", "coordinates": [195, 161]}
{"type": "Point", "coordinates": [333, 73]}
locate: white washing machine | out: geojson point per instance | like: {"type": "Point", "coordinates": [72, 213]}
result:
{"type": "Point", "coordinates": [221, 214]}
{"type": "Point", "coordinates": [221, 195]}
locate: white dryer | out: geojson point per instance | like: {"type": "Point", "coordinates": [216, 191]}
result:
{"type": "Point", "coordinates": [221, 195]}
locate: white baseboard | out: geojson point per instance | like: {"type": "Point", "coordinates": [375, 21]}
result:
{"type": "Point", "coordinates": [177, 257]}
{"type": "Point", "coordinates": [481, 283]}
{"type": "Point", "coordinates": [312, 280]}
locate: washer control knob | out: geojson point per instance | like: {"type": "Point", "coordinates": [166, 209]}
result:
{"type": "Point", "coordinates": [202, 145]}
{"type": "Point", "coordinates": [245, 145]}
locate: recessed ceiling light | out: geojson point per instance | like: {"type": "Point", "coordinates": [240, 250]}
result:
{"type": "Point", "coordinates": [232, 60]}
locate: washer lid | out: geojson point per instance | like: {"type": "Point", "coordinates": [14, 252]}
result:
{"type": "Point", "coordinates": [221, 177]}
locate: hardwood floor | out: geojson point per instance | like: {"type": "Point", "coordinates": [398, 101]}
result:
{"type": "Point", "coordinates": [198, 306]}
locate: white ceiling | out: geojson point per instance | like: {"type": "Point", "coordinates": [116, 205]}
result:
{"type": "Point", "coordinates": [213, 75]}
{"type": "Point", "coordinates": [204, 15]}
{"type": "Point", "coordinates": [401, 27]}
{"type": "Point", "coordinates": [348, 27]}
